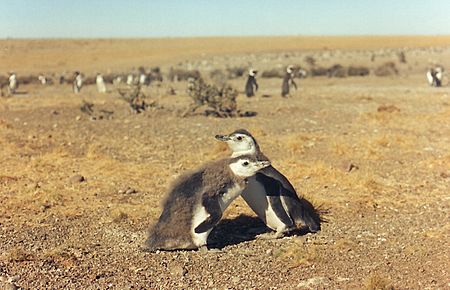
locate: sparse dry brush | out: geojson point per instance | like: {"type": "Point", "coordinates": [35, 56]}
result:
{"type": "Point", "coordinates": [219, 101]}
{"type": "Point", "coordinates": [179, 74]}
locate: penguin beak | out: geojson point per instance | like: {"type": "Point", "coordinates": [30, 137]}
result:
{"type": "Point", "coordinates": [223, 137]}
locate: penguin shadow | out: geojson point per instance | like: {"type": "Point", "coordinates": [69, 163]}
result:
{"type": "Point", "coordinates": [20, 93]}
{"type": "Point", "coordinates": [234, 231]}
{"type": "Point", "coordinates": [242, 229]}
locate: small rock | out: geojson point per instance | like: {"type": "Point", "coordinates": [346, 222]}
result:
{"type": "Point", "coordinates": [10, 286]}
{"type": "Point", "coordinates": [178, 271]}
{"type": "Point", "coordinates": [130, 191]}
{"type": "Point", "coordinates": [269, 252]}
{"type": "Point", "coordinates": [78, 118]}
{"type": "Point", "coordinates": [388, 108]}
{"type": "Point", "coordinates": [121, 191]}
{"type": "Point", "coordinates": [349, 166]}
{"type": "Point", "coordinates": [445, 174]}
{"type": "Point", "coordinates": [235, 280]}
{"type": "Point", "coordinates": [77, 178]}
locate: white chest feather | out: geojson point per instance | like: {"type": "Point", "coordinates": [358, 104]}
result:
{"type": "Point", "coordinates": [231, 194]}
{"type": "Point", "coordinates": [199, 215]}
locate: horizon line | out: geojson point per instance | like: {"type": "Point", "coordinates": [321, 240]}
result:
{"type": "Point", "coordinates": [220, 36]}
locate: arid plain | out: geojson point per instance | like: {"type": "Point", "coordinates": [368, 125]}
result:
{"type": "Point", "coordinates": [78, 195]}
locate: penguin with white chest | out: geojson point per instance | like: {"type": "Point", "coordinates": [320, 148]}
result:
{"type": "Point", "coordinates": [269, 193]}
{"type": "Point", "coordinates": [196, 201]}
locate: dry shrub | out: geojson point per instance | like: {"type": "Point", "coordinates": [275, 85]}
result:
{"type": "Point", "coordinates": [3, 80]}
{"type": "Point", "coordinates": [378, 282]}
{"type": "Point", "coordinates": [388, 108]}
{"type": "Point", "coordinates": [220, 101]}
{"type": "Point", "coordinates": [30, 79]}
{"type": "Point", "coordinates": [358, 71]}
{"type": "Point", "coordinates": [300, 254]}
{"type": "Point", "coordinates": [319, 71]}
{"type": "Point", "coordinates": [18, 254]}
{"type": "Point", "coordinates": [337, 71]}
{"type": "Point", "coordinates": [273, 73]}
{"type": "Point", "coordinates": [218, 76]}
{"type": "Point", "coordinates": [401, 57]}
{"type": "Point", "coordinates": [178, 74]}
{"type": "Point", "coordinates": [386, 69]}
{"type": "Point", "coordinates": [310, 60]}
{"type": "Point", "coordinates": [155, 74]}
{"type": "Point", "coordinates": [236, 72]}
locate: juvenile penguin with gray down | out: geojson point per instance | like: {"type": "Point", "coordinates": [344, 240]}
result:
{"type": "Point", "coordinates": [196, 201]}
{"type": "Point", "coordinates": [269, 193]}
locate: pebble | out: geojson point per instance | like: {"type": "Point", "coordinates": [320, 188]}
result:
{"type": "Point", "coordinates": [78, 118]}
{"type": "Point", "coordinates": [77, 178]}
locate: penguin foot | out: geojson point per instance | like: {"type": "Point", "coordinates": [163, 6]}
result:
{"type": "Point", "coordinates": [203, 249]}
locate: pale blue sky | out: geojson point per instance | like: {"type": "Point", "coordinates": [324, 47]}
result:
{"type": "Point", "coordinates": [162, 18]}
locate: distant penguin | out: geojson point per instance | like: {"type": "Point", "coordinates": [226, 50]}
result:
{"type": "Point", "coordinates": [269, 193]}
{"type": "Point", "coordinates": [143, 79]}
{"type": "Point", "coordinates": [196, 202]}
{"type": "Point", "coordinates": [101, 87]}
{"type": "Point", "coordinates": [435, 76]}
{"type": "Point", "coordinates": [13, 84]}
{"type": "Point", "coordinates": [77, 82]}
{"type": "Point", "coordinates": [130, 79]}
{"type": "Point", "coordinates": [251, 82]}
{"type": "Point", "coordinates": [42, 79]}
{"type": "Point", "coordinates": [288, 80]}
{"type": "Point", "coordinates": [62, 79]}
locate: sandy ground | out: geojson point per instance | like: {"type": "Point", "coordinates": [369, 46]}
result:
{"type": "Point", "coordinates": [388, 219]}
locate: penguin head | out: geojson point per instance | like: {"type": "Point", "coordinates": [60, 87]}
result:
{"type": "Point", "coordinates": [247, 166]}
{"type": "Point", "coordinates": [239, 141]}
{"type": "Point", "coordinates": [252, 72]}
{"type": "Point", "coordinates": [290, 69]}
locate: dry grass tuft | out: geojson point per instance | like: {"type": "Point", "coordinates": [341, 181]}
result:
{"type": "Point", "coordinates": [301, 254]}
{"type": "Point", "coordinates": [378, 282]}
{"type": "Point", "coordinates": [18, 254]}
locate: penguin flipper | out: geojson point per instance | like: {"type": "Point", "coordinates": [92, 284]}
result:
{"type": "Point", "coordinates": [277, 206]}
{"type": "Point", "coordinates": [212, 206]}
{"type": "Point", "coordinates": [273, 190]}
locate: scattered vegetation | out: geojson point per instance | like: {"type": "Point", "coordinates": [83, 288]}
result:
{"type": "Point", "coordinates": [178, 74]}
{"type": "Point", "coordinates": [273, 73]}
{"type": "Point", "coordinates": [386, 69]}
{"type": "Point", "coordinates": [220, 101]}
{"type": "Point", "coordinates": [378, 282]}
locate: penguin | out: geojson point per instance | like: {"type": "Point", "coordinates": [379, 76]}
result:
{"type": "Point", "coordinates": [101, 87]}
{"type": "Point", "coordinates": [438, 76]}
{"type": "Point", "coordinates": [130, 79]}
{"type": "Point", "coordinates": [196, 201]}
{"type": "Point", "coordinates": [42, 79]}
{"type": "Point", "coordinates": [288, 80]}
{"type": "Point", "coordinates": [13, 84]}
{"type": "Point", "coordinates": [251, 81]}
{"type": "Point", "coordinates": [269, 193]}
{"type": "Point", "coordinates": [434, 76]}
{"type": "Point", "coordinates": [77, 82]}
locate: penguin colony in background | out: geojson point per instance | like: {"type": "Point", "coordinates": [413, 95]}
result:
{"type": "Point", "coordinates": [251, 83]}
{"type": "Point", "coordinates": [269, 193]}
{"type": "Point", "coordinates": [13, 85]}
{"type": "Point", "coordinates": [288, 81]}
{"type": "Point", "coordinates": [101, 87]}
{"type": "Point", "coordinates": [77, 82]}
{"type": "Point", "coordinates": [435, 76]}
{"type": "Point", "coordinates": [196, 201]}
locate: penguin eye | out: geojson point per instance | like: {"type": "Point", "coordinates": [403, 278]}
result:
{"type": "Point", "coordinates": [239, 138]}
{"type": "Point", "coordinates": [245, 163]}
